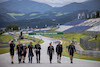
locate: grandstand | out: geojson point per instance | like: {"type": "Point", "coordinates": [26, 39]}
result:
{"type": "Point", "coordinates": [95, 28]}
{"type": "Point", "coordinates": [63, 28]}
{"type": "Point", "coordinates": [77, 29]}
{"type": "Point", "coordinates": [80, 25]}
{"type": "Point", "coordinates": [90, 22]}
{"type": "Point", "coordinates": [41, 30]}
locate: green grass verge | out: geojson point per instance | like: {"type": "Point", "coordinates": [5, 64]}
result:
{"type": "Point", "coordinates": [70, 36]}
{"type": "Point", "coordinates": [5, 38]}
{"type": "Point", "coordinates": [3, 44]}
{"type": "Point", "coordinates": [53, 29]}
{"type": "Point", "coordinates": [4, 50]}
{"type": "Point", "coordinates": [93, 39]}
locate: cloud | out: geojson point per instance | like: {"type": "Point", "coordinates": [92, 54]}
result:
{"type": "Point", "coordinates": [54, 3]}
{"type": "Point", "coordinates": [59, 3]}
{"type": "Point", "coordinates": [3, 0]}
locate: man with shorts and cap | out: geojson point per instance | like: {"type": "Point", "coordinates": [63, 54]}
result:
{"type": "Point", "coordinates": [71, 50]}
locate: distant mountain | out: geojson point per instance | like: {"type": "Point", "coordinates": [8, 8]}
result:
{"type": "Point", "coordinates": [30, 13]}
{"type": "Point", "coordinates": [51, 19]}
{"type": "Point", "coordinates": [94, 4]}
{"type": "Point", "coordinates": [4, 19]}
{"type": "Point", "coordinates": [72, 7]}
{"type": "Point", "coordinates": [91, 5]}
{"type": "Point", "coordinates": [24, 6]}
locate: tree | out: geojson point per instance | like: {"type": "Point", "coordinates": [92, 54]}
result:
{"type": "Point", "coordinates": [12, 27]}
{"type": "Point", "coordinates": [97, 14]}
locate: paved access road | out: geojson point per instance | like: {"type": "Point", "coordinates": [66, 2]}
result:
{"type": "Point", "coordinates": [5, 59]}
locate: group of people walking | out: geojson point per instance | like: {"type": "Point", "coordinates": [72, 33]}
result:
{"type": "Point", "coordinates": [22, 51]}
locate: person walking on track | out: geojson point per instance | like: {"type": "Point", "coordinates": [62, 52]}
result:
{"type": "Point", "coordinates": [50, 52]}
{"type": "Point", "coordinates": [19, 49]}
{"type": "Point", "coordinates": [37, 50]}
{"type": "Point", "coordinates": [12, 45]}
{"type": "Point", "coordinates": [71, 50]}
{"type": "Point", "coordinates": [31, 54]}
{"type": "Point", "coordinates": [24, 52]}
{"type": "Point", "coordinates": [59, 50]}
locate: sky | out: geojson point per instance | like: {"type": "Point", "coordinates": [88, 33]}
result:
{"type": "Point", "coordinates": [55, 3]}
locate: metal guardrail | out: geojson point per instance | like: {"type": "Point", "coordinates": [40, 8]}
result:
{"type": "Point", "coordinates": [90, 45]}
{"type": "Point", "coordinates": [89, 53]}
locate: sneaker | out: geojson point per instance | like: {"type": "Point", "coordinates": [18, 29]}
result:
{"type": "Point", "coordinates": [23, 61]}
{"type": "Point", "coordinates": [59, 62]}
{"type": "Point", "coordinates": [39, 62]}
{"type": "Point", "coordinates": [50, 62]}
{"type": "Point", "coordinates": [12, 62]}
{"type": "Point", "coordinates": [19, 62]}
{"type": "Point", "coordinates": [71, 62]}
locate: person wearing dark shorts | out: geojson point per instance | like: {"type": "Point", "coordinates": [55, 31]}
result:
{"type": "Point", "coordinates": [31, 54]}
{"type": "Point", "coordinates": [12, 45]}
{"type": "Point", "coordinates": [24, 51]}
{"type": "Point", "coordinates": [71, 50]}
{"type": "Point", "coordinates": [50, 52]}
{"type": "Point", "coordinates": [19, 49]}
{"type": "Point", "coordinates": [37, 50]}
{"type": "Point", "coordinates": [59, 50]}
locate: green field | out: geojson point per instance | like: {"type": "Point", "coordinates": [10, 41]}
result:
{"type": "Point", "coordinates": [13, 15]}
{"type": "Point", "coordinates": [4, 50]}
{"type": "Point", "coordinates": [33, 14]}
{"type": "Point", "coordinates": [5, 38]}
{"type": "Point", "coordinates": [3, 44]}
{"type": "Point", "coordinates": [53, 29]}
{"type": "Point", "coordinates": [16, 14]}
{"type": "Point", "coordinates": [77, 36]}
{"type": "Point", "coordinates": [70, 36]}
